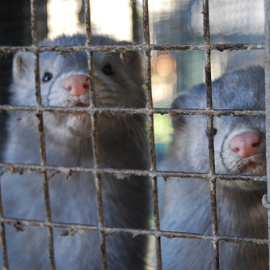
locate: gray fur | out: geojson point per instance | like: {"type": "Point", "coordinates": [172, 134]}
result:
{"type": "Point", "coordinates": [122, 144]}
{"type": "Point", "coordinates": [187, 203]}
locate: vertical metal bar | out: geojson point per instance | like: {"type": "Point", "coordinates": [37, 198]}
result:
{"type": "Point", "coordinates": [151, 131]}
{"type": "Point", "coordinates": [208, 84]}
{"type": "Point", "coordinates": [87, 18]}
{"type": "Point", "coordinates": [146, 22]}
{"type": "Point", "coordinates": [94, 135]}
{"type": "Point", "coordinates": [267, 106]}
{"type": "Point", "coordinates": [3, 233]}
{"type": "Point", "coordinates": [45, 175]}
{"type": "Point", "coordinates": [135, 21]}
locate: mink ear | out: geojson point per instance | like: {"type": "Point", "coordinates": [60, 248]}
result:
{"type": "Point", "coordinates": [192, 99]}
{"type": "Point", "coordinates": [23, 64]}
{"type": "Point", "coordinates": [133, 60]}
{"type": "Point", "coordinates": [179, 103]}
{"type": "Point", "coordinates": [131, 57]}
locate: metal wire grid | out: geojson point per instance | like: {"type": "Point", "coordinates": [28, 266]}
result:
{"type": "Point", "coordinates": [146, 47]}
{"type": "Point", "coordinates": [266, 198]}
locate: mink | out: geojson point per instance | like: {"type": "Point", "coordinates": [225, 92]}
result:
{"type": "Point", "coordinates": [121, 144]}
{"type": "Point", "coordinates": [239, 149]}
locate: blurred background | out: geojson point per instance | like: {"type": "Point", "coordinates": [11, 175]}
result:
{"type": "Point", "coordinates": [171, 22]}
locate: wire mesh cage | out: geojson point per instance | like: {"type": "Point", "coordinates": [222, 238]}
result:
{"type": "Point", "coordinates": [159, 49]}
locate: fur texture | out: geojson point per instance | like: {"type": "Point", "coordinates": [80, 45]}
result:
{"type": "Point", "coordinates": [122, 144]}
{"type": "Point", "coordinates": [187, 202]}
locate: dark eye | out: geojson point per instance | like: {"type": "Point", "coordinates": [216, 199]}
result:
{"type": "Point", "coordinates": [214, 131]}
{"type": "Point", "coordinates": [47, 77]}
{"type": "Point", "coordinates": [108, 69]}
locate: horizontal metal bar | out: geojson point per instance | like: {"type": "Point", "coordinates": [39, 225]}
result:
{"type": "Point", "coordinates": [21, 223]}
{"type": "Point", "coordinates": [115, 110]}
{"type": "Point", "coordinates": [19, 168]}
{"type": "Point", "coordinates": [140, 47]}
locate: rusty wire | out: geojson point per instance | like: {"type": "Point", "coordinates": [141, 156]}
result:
{"type": "Point", "coordinates": [20, 168]}
{"type": "Point", "coordinates": [266, 198]}
{"type": "Point", "coordinates": [94, 134]}
{"type": "Point", "coordinates": [150, 121]}
{"type": "Point", "coordinates": [139, 47]}
{"type": "Point", "coordinates": [134, 232]}
{"type": "Point", "coordinates": [147, 111]}
{"type": "Point", "coordinates": [45, 178]}
{"type": "Point", "coordinates": [208, 85]}
{"type": "Point", "coordinates": [3, 233]}
{"type": "Point", "coordinates": [153, 173]}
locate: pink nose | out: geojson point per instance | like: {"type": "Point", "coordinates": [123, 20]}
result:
{"type": "Point", "coordinates": [246, 144]}
{"type": "Point", "coordinates": [77, 85]}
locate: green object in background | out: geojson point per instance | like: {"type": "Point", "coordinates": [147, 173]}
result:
{"type": "Point", "coordinates": [163, 134]}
